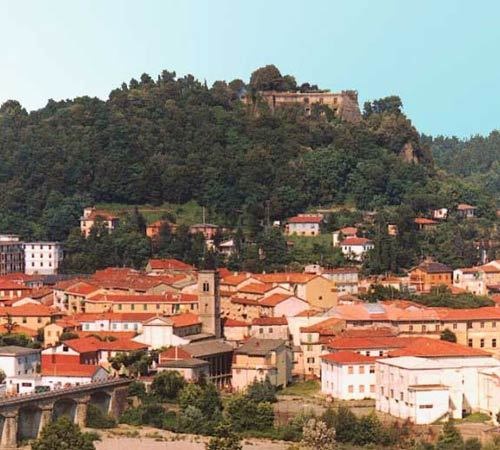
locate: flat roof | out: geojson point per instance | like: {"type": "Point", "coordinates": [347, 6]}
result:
{"type": "Point", "coordinates": [428, 387]}
{"type": "Point", "coordinates": [13, 350]}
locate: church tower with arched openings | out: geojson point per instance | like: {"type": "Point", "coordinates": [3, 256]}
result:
{"type": "Point", "coordinates": [209, 302]}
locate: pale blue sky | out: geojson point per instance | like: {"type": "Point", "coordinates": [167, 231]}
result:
{"type": "Point", "coordinates": [440, 56]}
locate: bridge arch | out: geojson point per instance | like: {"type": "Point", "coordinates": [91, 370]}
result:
{"type": "Point", "coordinates": [28, 422]}
{"type": "Point", "coordinates": [100, 399]}
{"type": "Point", "coordinates": [64, 407]}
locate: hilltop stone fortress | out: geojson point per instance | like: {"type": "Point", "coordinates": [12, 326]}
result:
{"type": "Point", "coordinates": [344, 103]}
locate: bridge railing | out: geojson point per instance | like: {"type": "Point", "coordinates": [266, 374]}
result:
{"type": "Point", "coordinates": [21, 398]}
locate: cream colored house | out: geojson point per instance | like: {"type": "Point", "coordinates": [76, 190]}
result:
{"type": "Point", "coordinates": [258, 359]}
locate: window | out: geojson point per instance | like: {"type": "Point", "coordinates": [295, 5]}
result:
{"type": "Point", "coordinates": [367, 353]}
{"type": "Point", "coordinates": [350, 370]}
{"type": "Point", "coordinates": [270, 330]}
{"type": "Point", "coordinates": [410, 327]}
{"type": "Point", "coordinates": [482, 325]}
{"type": "Point", "coordinates": [481, 343]}
{"type": "Point", "coordinates": [425, 406]}
{"type": "Point", "coordinates": [361, 388]}
{"type": "Point", "coordinates": [361, 369]}
{"type": "Point", "coordinates": [350, 389]}
{"type": "Point", "coordinates": [372, 388]}
{"type": "Point", "coordinates": [494, 343]}
{"type": "Point", "coordinates": [494, 324]}
{"type": "Point", "coordinates": [401, 396]}
{"type": "Point", "coordinates": [392, 393]}
{"type": "Point", "coordinates": [424, 328]}
{"type": "Point", "coordinates": [206, 286]}
{"type": "Point", "coordinates": [49, 333]}
{"type": "Point", "coordinates": [132, 307]}
{"type": "Point", "coordinates": [261, 330]}
{"type": "Point", "coordinates": [309, 337]}
{"type": "Point", "coordinates": [381, 353]}
{"type": "Point", "coordinates": [65, 348]}
{"type": "Point", "coordinates": [157, 306]}
{"type": "Point", "coordinates": [372, 369]}
{"type": "Point", "coordinates": [469, 342]}
{"type": "Point", "coordinates": [125, 326]}
{"type": "Point", "coordinates": [310, 360]}
{"type": "Point", "coordinates": [309, 348]}
{"type": "Point", "coordinates": [119, 306]}
{"type": "Point", "coordinates": [25, 320]}
{"type": "Point", "coordinates": [145, 307]}
{"type": "Point", "coordinates": [455, 326]}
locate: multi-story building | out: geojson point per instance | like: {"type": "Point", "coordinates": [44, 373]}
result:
{"type": "Point", "coordinates": [42, 258]}
{"type": "Point", "coordinates": [304, 225]}
{"type": "Point", "coordinates": [11, 254]}
{"type": "Point", "coordinates": [344, 104]}
{"type": "Point", "coordinates": [260, 359]}
{"type": "Point", "coordinates": [430, 274]}
{"type": "Point", "coordinates": [92, 215]}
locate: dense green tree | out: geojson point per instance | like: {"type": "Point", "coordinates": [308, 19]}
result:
{"type": "Point", "coordinates": [261, 391]}
{"type": "Point", "coordinates": [166, 385]}
{"type": "Point", "coordinates": [450, 438]}
{"type": "Point", "coordinates": [224, 439]}
{"type": "Point", "coordinates": [62, 434]}
{"type": "Point", "coordinates": [448, 335]}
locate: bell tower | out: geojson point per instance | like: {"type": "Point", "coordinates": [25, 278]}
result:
{"type": "Point", "coordinates": [209, 302]}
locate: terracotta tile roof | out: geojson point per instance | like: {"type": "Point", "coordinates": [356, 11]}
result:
{"type": "Point", "coordinates": [168, 297]}
{"type": "Point", "coordinates": [285, 277]}
{"type": "Point", "coordinates": [235, 279]}
{"type": "Point", "coordinates": [356, 241]}
{"type": "Point", "coordinates": [231, 323]}
{"type": "Point", "coordinates": [256, 288]}
{"type": "Point", "coordinates": [7, 285]}
{"type": "Point", "coordinates": [361, 343]}
{"type": "Point", "coordinates": [324, 327]}
{"type": "Point", "coordinates": [275, 299]}
{"type": "Point", "coordinates": [244, 301]}
{"type": "Point", "coordinates": [426, 347]}
{"type": "Point", "coordinates": [174, 353]}
{"type": "Point", "coordinates": [121, 345]}
{"type": "Point", "coordinates": [20, 277]}
{"type": "Point", "coordinates": [106, 334]}
{"type": "Point", "coordinates": [29, 310]}
{"type": "Point", "coordinates": [65, 284]}
{"type": "Point", "coordinates": [465, 206]}
{"type": "Point", "coordinates": [113, 316]}
{"type": "Point", "coordinates": [270, 321]}
{"type": "Point", "coordinates": [484, 313]}
{"type": "Point", "coordinates": [170, 264]}
{"type": "Point", "coordinates": [369, 332]}
{"type": "Point", "coordinates": [82, 288]}
{"type": "Point", "coordinates": [184, 320]}
{"type": "Point", "coordinates": [425, 221]}
{"type": "Point", "coordinates": [305, 219]}
{"type": "Point", "coordinates": [349, 231]}
{"type": "Point", "coordinates": [346, 357]}
{"type": "Point", "coordinates": [308, 313]}
{"type": "Point", "coordinates": [69, 370]}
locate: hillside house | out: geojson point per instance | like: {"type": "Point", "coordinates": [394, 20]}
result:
{"type": "Point", "coordinates": [356, 248]}
{"type": "Point", "coordinates": [304, 225]}
{"type": "Point", "coordinates": [92, 215]}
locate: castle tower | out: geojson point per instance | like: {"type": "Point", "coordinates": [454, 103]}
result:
{"type": "Point", "coordinates": [209, 302]}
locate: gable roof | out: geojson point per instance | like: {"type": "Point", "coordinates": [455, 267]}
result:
{"type": "Point", "coordinates": [270, 321]}
{"type": "Point", "coordinates": [356, 241]}
{"type": "Point", "coordinates": [170, 264]}
{"type": "Point", "coordinates": [433, 267]}
{"type": "Point", "coordinates": [70, 370]}
{"type": "Point", "coordinates": [346, 357]}
{"type": "Point", "coordinates": [276, 299]}
{"type": "Point", "coordinates": [305, 219]}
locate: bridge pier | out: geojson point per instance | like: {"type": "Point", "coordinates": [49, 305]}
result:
{"type": "Point", "coordinates": [9, 432]}
{"type": "Point", "coordinates": [45, 417]}
{"type": "Point", "coordinates": [82, 404]}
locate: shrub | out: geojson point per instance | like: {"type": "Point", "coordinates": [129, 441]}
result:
{"type": "Point", "coordinates": [98, 419]}
{"type": "Point", "coordinates": [317, 435]}
{"type": "Point", "coordinates": [137, 389]}
{"type": "Point", "coordinates": [191, 420]}
{"type": "Point", "coordinates": [262, 391]}
{"type": "Point", "coordinates": [244, 414]}
{"type": "Point", "coordinates": [167, 385]}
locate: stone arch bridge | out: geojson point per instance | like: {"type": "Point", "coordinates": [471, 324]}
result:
{"type": "Point", "coordinates": [24, 416]}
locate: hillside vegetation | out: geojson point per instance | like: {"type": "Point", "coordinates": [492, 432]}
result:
{"type": "Point", "coordinates": [174, 145]}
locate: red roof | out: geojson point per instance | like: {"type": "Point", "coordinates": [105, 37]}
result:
{"type": "Point", "coordinates": [185, 320]}
{"type": "Point", "coordinates": [349, 231]}
{"type": "Point", "coordinates": [275, 299]}
{"type": "Point", "coordinates": [170, 264]}
{"type": "Point", "coordinates": [484, 313]}
{"type": "Point", "coordinates": [345, 357]}
{"type": "Point", "coordinates": [305, 219]}
{"type": "Point", "coordinates": [286, 277]}
{"type": "Point", "coordinates": [168, 297]}
{"type": "Point", "coordinates": [322, 327]}
{"type": "Point", "coordinates": [174, 353]}
{"type": "Point", "coordinates": [7, 285]}
{"type": "Point", "coordinates": [426, 347]}
{"type": "Point", "coordinates": [361, 343]}
{"type": "Point", "coordinates": [82, 288]}
{"type": "Point", "coordinates": [356, 241]}
{"type": "Point", "coordinates": [270, 321]}
{"type": "Point", "coordinates": [29, 310]}
{"type": "Point", "coordinates": [465, 206]}
{"type": "Point", "coordinates": [231, 323]}
{"type": "Point", "coordinates": [425, 221]}
{"type": "Point", "coordinates": [91, 343]}
{"type": "Point", "coordinates": [235, 278]}
{"type": "Point", "coordinates": [256, 288]}
{"type": "Point", "coordinates": [69, 370]}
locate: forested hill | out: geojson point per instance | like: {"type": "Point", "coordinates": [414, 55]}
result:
{"type": "Point", "coordinates": [175, 139]}
{"type": "Point", "coordinates": [477, 158]}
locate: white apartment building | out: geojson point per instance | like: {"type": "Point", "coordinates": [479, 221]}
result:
{"type": "Point", "coordinates": [42, 258]}
{"type": "Point", "coordinates": [16, 361]}
{"type": "Point", "coordinates": [424, 390]}
{"type": "Point", "coordinates": [356, 248]}
{"type": "Point", "coordinates": [348, 376]}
